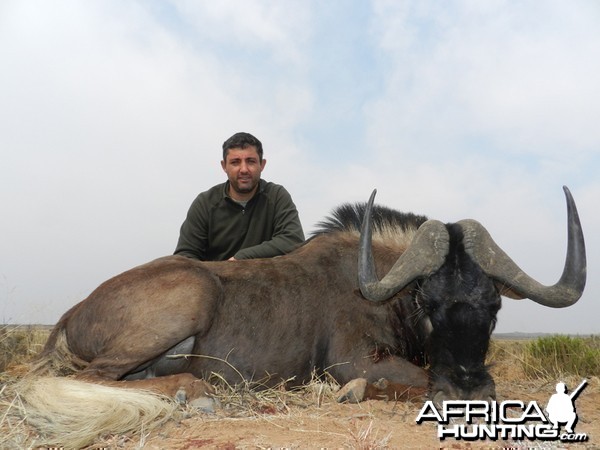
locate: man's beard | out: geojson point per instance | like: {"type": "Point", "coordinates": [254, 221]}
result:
{"type": "Point", "coordinates": [244, 188]}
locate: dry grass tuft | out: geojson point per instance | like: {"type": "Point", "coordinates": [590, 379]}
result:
{"type": "Point", "coordinates": [559, 356]}
{"type": "Point", "coordinates": [19, 343]}
{"type": "Point", "coordinates": [366, 438]}
{"type": "Point", "coordinates": [506, 359]}
{"type": "Point", "coordinates": [14, 429]}
{"type": "Point", "coordinates": [250, 400]}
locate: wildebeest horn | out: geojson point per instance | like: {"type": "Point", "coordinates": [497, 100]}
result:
{"type": "Point", "coordinates": [423, 257]}
{"type": "Point", "coordinates": [496, 264]}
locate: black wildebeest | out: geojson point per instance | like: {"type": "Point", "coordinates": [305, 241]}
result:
{"type": "Point", "coordinates": [416, 293]}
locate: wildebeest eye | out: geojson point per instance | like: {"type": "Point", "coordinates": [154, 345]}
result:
{"type": "Point", "coordinates": [427, 304]}
{"type": "Point", "coordinates": [430, 306]}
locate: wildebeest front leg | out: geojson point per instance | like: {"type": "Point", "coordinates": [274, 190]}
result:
{"type": "Point", "coordinates": [391, 379]}
{"type": "Point", "coordinates": [360, 389]}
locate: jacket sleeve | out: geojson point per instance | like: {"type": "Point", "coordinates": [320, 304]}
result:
{"type": "Point", "coordinates": [287, 230]}
{"type": "Point", "coordinates": [193, 236]}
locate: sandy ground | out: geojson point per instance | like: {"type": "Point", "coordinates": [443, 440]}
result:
{"type": "Point", "coordinates": [369, 425]}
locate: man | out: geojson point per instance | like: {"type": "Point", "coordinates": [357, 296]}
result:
{"type": "Point", "coordinates": [245, 217]}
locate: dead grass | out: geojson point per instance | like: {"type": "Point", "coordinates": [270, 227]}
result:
{"type": "Point", "coordinates": [19, 343]}
{"type": "Point", "coordinates": [14, 430]}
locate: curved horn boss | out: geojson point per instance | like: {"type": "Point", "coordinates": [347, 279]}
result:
{"type": "Point", "coordinates": [423, 257]}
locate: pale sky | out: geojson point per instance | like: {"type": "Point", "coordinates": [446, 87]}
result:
{"type": "Point", "coordinates": [112, 116]}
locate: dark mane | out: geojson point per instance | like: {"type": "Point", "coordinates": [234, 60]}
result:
{"type": "Point", "coordinates": [348, 217]}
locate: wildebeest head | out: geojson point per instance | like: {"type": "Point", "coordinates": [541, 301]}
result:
{"type": "Point", "coordinates": [459, 273]}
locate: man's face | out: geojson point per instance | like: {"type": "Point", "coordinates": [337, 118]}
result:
{"type": "Point", "coordinates": [243, 168]}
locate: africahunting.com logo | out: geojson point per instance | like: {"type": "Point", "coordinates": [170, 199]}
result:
{"type": "Point", "coordinates": [511, 419]}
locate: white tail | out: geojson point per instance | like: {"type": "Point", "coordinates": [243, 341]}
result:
{"type": "Point", "coordinates": [73, 413]}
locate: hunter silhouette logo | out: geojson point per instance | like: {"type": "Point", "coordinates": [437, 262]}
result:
{"type": "Point", "coordinates": [561, 406]}
{"type": "Point", "coordinates": [511, 419]}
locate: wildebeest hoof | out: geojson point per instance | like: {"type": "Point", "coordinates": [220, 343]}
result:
{"type": "Point", "coordinates": [205, 404]}
{"type": "Point", "coordinates": [382, 384]}
{"type": "Point", "coordinates": [181, 396]}
{"type": "Point", "coordinates": [353, 391]}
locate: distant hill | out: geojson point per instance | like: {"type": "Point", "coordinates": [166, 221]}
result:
{"type": "Point", "coordinates": [518, 336]}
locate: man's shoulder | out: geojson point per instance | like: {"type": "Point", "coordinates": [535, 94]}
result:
{"type": "Point", "coordinates": [270, 188]}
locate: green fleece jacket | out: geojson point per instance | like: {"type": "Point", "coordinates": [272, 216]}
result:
{"type": "Point", "coordinates": [217, 228]}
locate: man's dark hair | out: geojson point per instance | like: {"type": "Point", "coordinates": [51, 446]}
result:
{"type": "Point", "coordinates": [242, 140]}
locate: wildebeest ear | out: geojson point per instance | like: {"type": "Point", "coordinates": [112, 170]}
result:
{"type": "Point", "coordinates": [507, 291]}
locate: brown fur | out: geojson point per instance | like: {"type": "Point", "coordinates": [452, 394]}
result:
{"type": "Point", "coordinates": [252, 319]}
{"type": "Point", "coordinates": [257, 321]}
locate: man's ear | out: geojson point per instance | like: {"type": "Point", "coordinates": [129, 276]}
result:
{"type": "Point", "coordinates": [223, 166]}
{"type": "Point", "coordinates": [263, 163]}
